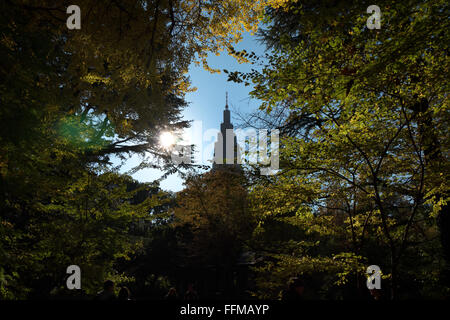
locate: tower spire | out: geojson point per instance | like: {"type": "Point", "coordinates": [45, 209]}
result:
{"type": "Point", "coordinates": [226, 100]}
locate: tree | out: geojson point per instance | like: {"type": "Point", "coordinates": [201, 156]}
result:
{"type": "Point", "coordinates": [85, 223]}
{"type": "Point", "coordinates": [71, 99]}
{"type": "Point", "coordinates": [367, 115]}
{"type": "Point", "coordinates": [213, 217]}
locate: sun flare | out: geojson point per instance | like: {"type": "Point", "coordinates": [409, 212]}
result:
{"type": "Point", "coordinates": [167, 139]}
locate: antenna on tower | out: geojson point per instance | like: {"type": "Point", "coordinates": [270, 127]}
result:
{"type": "Point", "coordinates": [226, 100]}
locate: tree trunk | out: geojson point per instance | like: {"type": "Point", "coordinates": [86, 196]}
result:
{"type": "Point", "coordinates": [434, 162]}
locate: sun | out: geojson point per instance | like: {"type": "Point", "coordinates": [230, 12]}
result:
{"type": "Point", "coordinates": [167, 139]}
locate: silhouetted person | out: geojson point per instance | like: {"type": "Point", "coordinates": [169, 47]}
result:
{"type": "Point", "coordinates": [190, 294]}
{"type": "Point", "coordinates": [294, 291]}
{"type": "Point", "coordinates": [124, 294]}
{"type": "Point", "coordinates": [172, 294]}
{"type": "Point", "coordinates": [107, 294]}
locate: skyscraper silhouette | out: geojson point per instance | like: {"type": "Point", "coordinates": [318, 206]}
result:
{"type": "Point", "coordinates": [226, 151]}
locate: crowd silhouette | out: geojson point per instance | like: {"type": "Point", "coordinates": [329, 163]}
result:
{"type": "Point", "coordinates": [294, 291]}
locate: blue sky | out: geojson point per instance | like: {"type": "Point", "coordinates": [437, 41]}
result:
{"type": "Point", "coordinates": [207, 103]}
